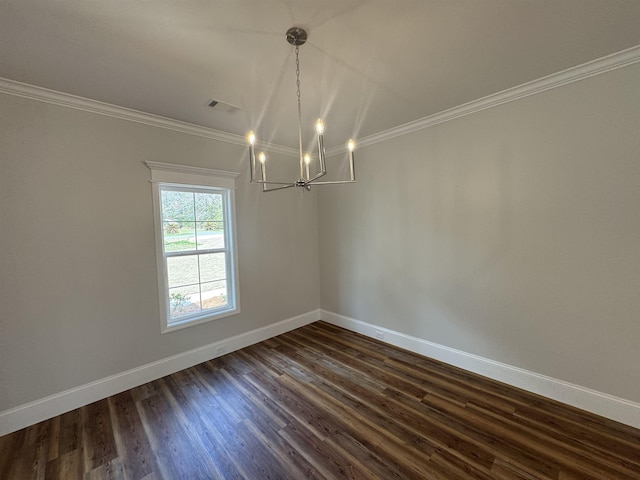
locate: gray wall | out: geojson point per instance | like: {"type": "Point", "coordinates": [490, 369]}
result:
{"type": "Point", "coordinates": [78, 288]}
{"type": "Point", "coordinates": [512, 233]}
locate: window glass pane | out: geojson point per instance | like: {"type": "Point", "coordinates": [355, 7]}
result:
{"type": "Point", "coordinates": [178, 206]}
{"type": "Point", "coordinates": [182, 271]}
{"type": "Point", "coordinates": [214, 294]}
{"type": "Point", "coordinates": [212, 267]}
{"type": "Point", "coordinates": [184, 300]}
{"type": "Point", "coordinates": [208, 207]}
{"type": "Point", "coordinates": [179, 237]}
{"type": "Point", "coordinates": [210, 234]}
{"type": "Point", "coordinates": [178, 221]}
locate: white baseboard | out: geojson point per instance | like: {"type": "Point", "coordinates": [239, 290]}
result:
{"type": "Point", "coordinates": [615, 408]}
{"type": "Point", "coordinates": [57, 404]}
{"type": "Point", "coordinates": [618, 409]}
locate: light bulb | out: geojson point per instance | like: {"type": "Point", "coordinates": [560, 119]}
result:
{"type": "Point", "coordinates": [307, 158]}
{"type": "Point", "coordinates": [351, 145]}
{"type": "Point", "coordinates": [319, 127]}
{"type": "Point", "coordinates": [251, 137]}
{"type": "Point", "coordinates": [262, 157]}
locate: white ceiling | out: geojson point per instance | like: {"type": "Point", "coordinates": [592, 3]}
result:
{"type": "Point", "coordinates": [368, 66]}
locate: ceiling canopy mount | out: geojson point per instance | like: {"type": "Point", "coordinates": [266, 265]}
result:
{"type": "Point", "coordinates": [296, 36]}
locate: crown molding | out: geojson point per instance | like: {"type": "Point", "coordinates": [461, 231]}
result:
{"type": "Point", "coordinates": [19, 89]}
{"type": "Point", "coordinates": [570, 75]}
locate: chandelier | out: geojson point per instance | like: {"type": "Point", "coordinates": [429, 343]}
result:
{"type": "Point", "coordinates": [297, 36]}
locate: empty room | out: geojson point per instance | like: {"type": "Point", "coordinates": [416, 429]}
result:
{"type": "Point", "coordinates": [283, 239]}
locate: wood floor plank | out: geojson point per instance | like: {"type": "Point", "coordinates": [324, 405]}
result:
{"type": "Point", "coordinates": [174, 453]}
{"type": "Point", "coordinates": [70, 432]}
{"type": "Point", "coordinates": [21, 466]}
{"type": "Point", "coordinates": [66, 466]}
{"type": "Point", "coordinates": [132, 444]}
{"type": "Point", "coordinates": [217, 430]}
{"type": "Point", "coordinates": [98, 443]}
{"type": "Point", "coordinates": [594, 460]}
{"type": "Point", "coordinates": [378, 408]}
{"type": "Point", "coordinates": [324, 403]}
{"type": "Point", "coordinates": [399, 447]}
{"type": "Point", "coordinates": [295, 464]}
{"type": "Point", "coordinates": [550, 450]}
{"type": "Point", "coordinates": [111, 470]}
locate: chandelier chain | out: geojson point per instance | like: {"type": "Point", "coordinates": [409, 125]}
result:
{"type": "Point", "coordinates": [299, 106]}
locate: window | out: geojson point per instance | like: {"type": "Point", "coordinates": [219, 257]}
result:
{"type": "Point", "coordinates": [195, 244]}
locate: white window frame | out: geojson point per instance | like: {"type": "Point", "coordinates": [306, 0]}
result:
{"type": "Point", "coordinates": [198, 180]}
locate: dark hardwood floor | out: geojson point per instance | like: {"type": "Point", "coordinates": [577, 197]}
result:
{"type": "Point", "coordinates": [322, 402]}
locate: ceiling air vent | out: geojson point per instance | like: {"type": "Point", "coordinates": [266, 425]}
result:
{"type": "Point", "coordinates": [222, 106]}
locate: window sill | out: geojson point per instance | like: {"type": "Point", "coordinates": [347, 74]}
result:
{"type": "Point", "coordinates": [191, 321]}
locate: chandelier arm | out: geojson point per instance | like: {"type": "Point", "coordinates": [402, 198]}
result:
{"type": "Point", "coordinates": [332, 182]}
{"type": "Point", "coordinates": [321, 154]}
{"type": "Point", "coordinates": [352, 174]}
{"type": "Point", "coordinates": [299, 111]}
{"type": "Point", "coordinates": [321, 158]}
{"type": "Point", "coordinates": [314, 178]}
{"type": "Point", "coordinates": [274, 183]}
{"type": "Point", "coordinates": [252, 163]}
{"type": "Point", "coordinates": [265, 189]}
{"type": "Point", "coordinates": [352, 166]}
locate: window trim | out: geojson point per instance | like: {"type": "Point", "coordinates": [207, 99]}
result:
{"type": "Point", "coordinates": [164, 174]}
